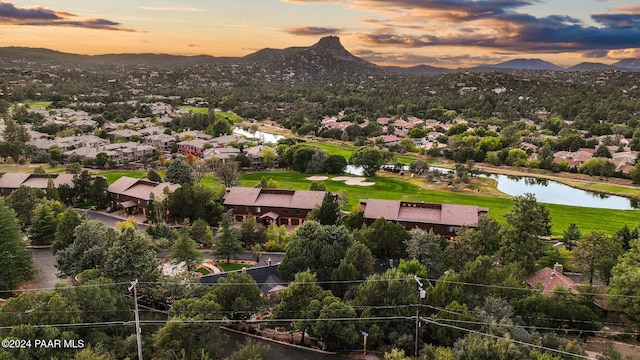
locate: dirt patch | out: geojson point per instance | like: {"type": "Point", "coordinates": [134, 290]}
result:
{"type": "Point", "coordinates": [359, 181]}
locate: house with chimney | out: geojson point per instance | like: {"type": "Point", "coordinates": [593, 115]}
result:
{"type": "Point", "coordinates": [548, 280]}
{"type": "Point", "coordinates": [284, 207]}
{"type": "Point", "coordinates": [443, 219]}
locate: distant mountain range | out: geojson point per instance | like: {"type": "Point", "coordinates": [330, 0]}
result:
{"type": "Point", "coordinates": [327, 57]}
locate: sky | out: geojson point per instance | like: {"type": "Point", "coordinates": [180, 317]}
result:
{"type": "Point", "coordinates": [443, 33]}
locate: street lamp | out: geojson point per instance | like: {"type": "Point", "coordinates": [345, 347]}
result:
{"type": "Point", "coordinates": [421, 295]}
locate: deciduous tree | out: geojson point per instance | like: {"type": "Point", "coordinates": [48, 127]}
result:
{"type": "Point", "coordinates": [252, 233]}
{"type": "Point", "coordinates": [130, 257]}
{"type": "Point", "coordinates": [228, 173]}
{"type": "Point", "coordinates": [239, 296]}
{"type": "Point", "coordinates": [385, 239]}
{"type": "Point", "coordinates": [64, 234]}
{"type": "Point", "coordinates": [43, 225]}
{"type": "Point", "coordinates": [316, 247]}
{"type": "Point", "coordinates": [23, 201]}
{"type": "Point", "coordinates": [91, 240]}
{"type": "Point", "coordinates": [428, 248]}
{"type": "Point", "coordinates": [192, 330]}
{"type": "Point", "coordinates": [370, 159]}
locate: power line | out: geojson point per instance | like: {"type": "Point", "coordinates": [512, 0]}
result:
{"type": "Point", "coordinates": [504, 338]}
{"type": "Point", "coordinates": [66, 288]}
{"type": "Point", "coordinates": [330, 282]}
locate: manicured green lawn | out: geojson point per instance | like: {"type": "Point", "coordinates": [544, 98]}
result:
{"type": "Point", "coordinates": [195, 109]}
{"type": "Point", "coordinates": [113, 175]}
{"type": "Point", "coordinates": [397, 189]}
{"type": "Point", "coordinates": [347, 150]}
{"type": "Point", "coordinates": [233, 118]}
{"type": "Point", "coordinates": [39, 104]}
{"type": "Point", "coordinates": [231, 266]}
{"type": "Point", "coordinates": [616, 189]}
{"type": "Point", "coordinates": [394, 188]}
{"type": "Point", "coordinates": [203, 271]}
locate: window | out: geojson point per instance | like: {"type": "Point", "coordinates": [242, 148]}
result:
{"type": "Point", "coordinates": [286, 211]}
{"type": "Point", "coordinates": [297, 211]}
{"type": "Point", "coordinates": [257, 209]}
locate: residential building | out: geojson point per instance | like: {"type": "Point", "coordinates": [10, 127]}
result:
{"type": "Point", "coordinates": [443, 219]}
{"type": "Point", "coordinates": [284, 207]}
{"type": "Point", "coordinates": [10, 182]}
{"type": "Point", "coordinates": [134, 195]}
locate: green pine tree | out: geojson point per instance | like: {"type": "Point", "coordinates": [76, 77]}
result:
{"type": "Point", "coordinates": [15, 260]}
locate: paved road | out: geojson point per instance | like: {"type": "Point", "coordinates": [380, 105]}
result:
{"type": "Point", "coordinates": [109, 219]}
{"type": "Point", "coordinates": [46, 278]}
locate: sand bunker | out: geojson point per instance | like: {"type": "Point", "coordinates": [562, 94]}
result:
{"type": "Point", "coordinates": [317, 178]}
{"type": "Point", "coordinates": [359, 181]}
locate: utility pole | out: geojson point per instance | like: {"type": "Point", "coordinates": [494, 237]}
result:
{"type": "Point", "coordinates": [421, 295]}
{"type": "Point", "coordinates": [365, 334]}
{"type": "Point", "coordinates": [134, 286]}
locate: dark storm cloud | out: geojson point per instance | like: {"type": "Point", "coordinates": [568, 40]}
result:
{"type": "Point", "coordinates": [497, 24]}
{"type": "Point", "coordinates": [618, 21]}
{"type": "Point", "coordinates": [409, 59]}
{"type": "Point", "coordinates": [312, 30]}
{"type": "Point", "coordinates": [9, 11]}
{"type": "Point", "coordinates": [460, 10]}
{"type": "Point", "coordinates": [12, 15]}
{"type": "Point", "coordinates": [524, 32]}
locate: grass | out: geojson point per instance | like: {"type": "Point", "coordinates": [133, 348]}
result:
{"type": "Point", "coordinates": [113, 175]}
{"type": "Point", "coordinates": [347, 150]}
{"type": "Point", "coordinates": [199, 110]}
{"type": "Point", "coordinates": [39, 104]}
{"type": "Point", "coordinates": [12, 168]}
{"type": "Point", "coordinates": [395, 188]}
{"type": "Point", "coordinates": [233, 118]}
{"type": "Point", "coordinates": [615, 189]}
{"type": "Point", "coordinates": [231, 266]}
{"type": "Point", "coordinates": [203, 271]}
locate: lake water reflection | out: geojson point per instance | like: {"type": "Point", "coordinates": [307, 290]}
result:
{"type": "Point", "coordinates": [552, 192]}
{"type": "Point", "coordinates": [262, 136]}
{"type": "Point", "coordinates": [547, 191]}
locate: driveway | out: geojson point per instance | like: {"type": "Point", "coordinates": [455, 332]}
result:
{"type": "Point", "coordinates": [47, 277]}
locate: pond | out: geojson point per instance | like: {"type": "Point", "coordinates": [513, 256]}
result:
{"type": "Point", "coordinates": [264, 137]}
{"type": "Point", "coordinates": [546, 191]}
{"type": "Point", "coordinates": [552, 192]}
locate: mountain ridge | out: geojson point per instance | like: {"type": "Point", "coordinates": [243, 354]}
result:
{"type": "Point", "coordinates": [327, 56]}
